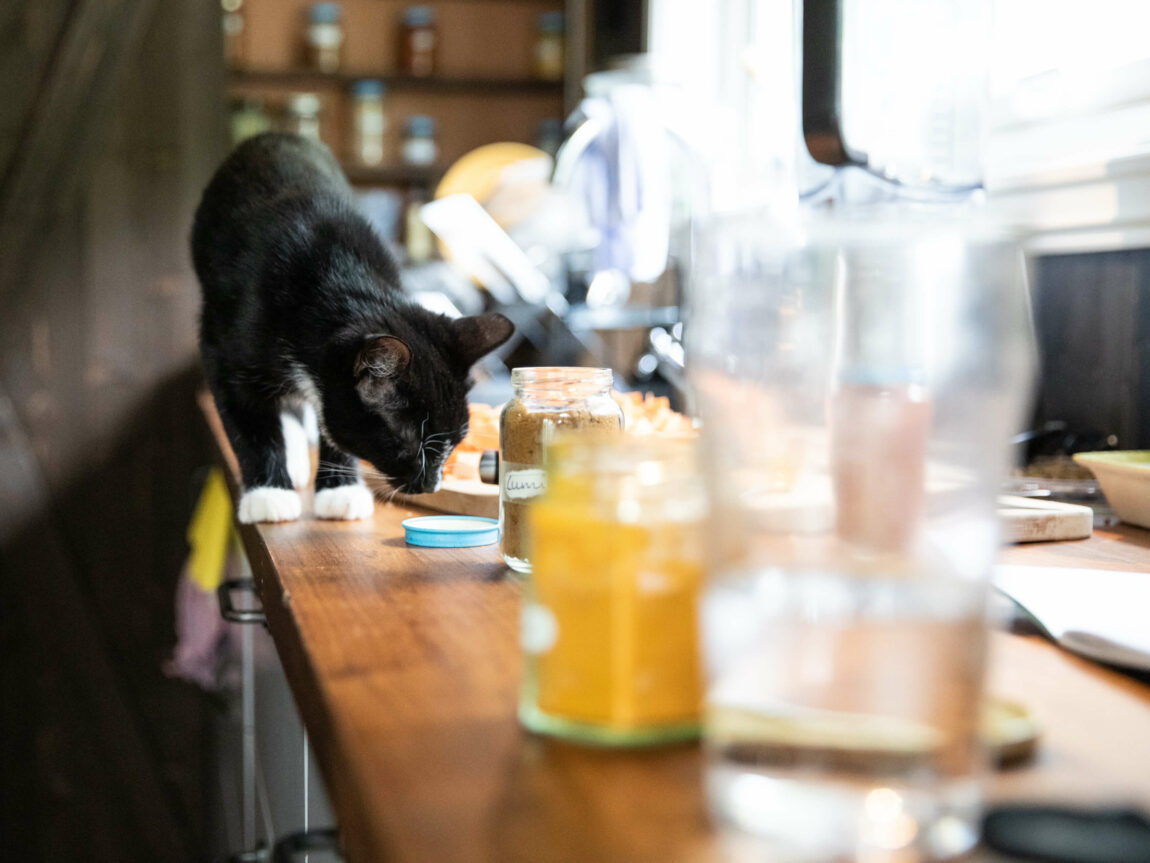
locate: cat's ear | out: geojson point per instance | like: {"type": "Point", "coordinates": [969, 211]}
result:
{"type": "Point", "coordinates": [380, 361]}
{"type": "Point", "coordinates": [480, 335]}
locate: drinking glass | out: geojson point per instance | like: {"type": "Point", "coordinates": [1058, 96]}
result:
{"type": "Point", "coordinates": [858, 374]}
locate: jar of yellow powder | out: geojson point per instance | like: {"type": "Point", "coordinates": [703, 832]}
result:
{"type": "Point", "coordinates": [609, 625]}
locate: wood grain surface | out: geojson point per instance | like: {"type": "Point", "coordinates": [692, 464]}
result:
{"type": "Point", "coordinates": [405, 665]}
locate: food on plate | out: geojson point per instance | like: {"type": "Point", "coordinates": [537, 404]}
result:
{"type": "Point", "coordinates": [647, 414]}
{"type": "Point", "coordinates": [643, 414]}
{"type": "Point", "coordinates": [482, 434]}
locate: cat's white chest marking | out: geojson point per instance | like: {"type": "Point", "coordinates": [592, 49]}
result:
{"type": "Point", "coordinates": [296, 447]}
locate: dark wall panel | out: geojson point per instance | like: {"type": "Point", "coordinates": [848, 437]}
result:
{"type": "Point", "coordinates": [104, 756]}
{"type": "Point", "coordinates": [1092, 315]}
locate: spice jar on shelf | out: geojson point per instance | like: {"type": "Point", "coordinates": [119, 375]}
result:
{"type": "Point", "coordinates": [303, 115]}
{"type": "Point", "coordinates": [417, 41]}
{"type": "Point", "coordinates": [325, 37]}
{"type": "Point", "coordinates": [247, 119]}
{"type": "Point", "coordinates": [419, 147]}
{"type": "Point", "coordinates": [610, 613]}
{"type": "Point", "coordinates": [549, 51]}
{"type": "Point", "coordinates": [368, 123]}
{"type": "Point", "coordinates": [232, 21]}
{"type": "Point", "coordinates": [545, 401]}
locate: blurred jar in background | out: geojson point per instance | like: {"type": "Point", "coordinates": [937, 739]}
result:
{"type": "Point", "coordinates": [232, 21]}
{"type": "Point", "coordinates": [325, 37]}
{"type": "Point", "coordinates": [610, 614]}
{"type": "Point", "coordinates": [418, 240]}
{"type": "Point", "coordinates": [549, 51]}
{"type": "Point", "coordinates": [248, 119]}
{"type": "Point", "coordinates": [419, 147]}
{"type": "Point", "coordinates": [303, 115]}
{"type": "Point", "coordinates": [369, 123]}
{"type": "Point", "coordinates": [417, 41]}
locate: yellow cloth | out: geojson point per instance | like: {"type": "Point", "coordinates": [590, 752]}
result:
{"type": "Point", "coordinates": [210, 533]}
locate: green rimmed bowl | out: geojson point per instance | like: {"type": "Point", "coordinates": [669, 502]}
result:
{"type": "Point", "coordinates": [1125, 479]}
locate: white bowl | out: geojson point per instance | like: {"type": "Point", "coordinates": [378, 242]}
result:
{"type": "Point", "coordinates": [1125, 479]}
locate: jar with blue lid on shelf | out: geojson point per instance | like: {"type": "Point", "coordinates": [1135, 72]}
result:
{"type": "Point", "coordinates": [419, 147]}
{"type": "Point", "coordinates": [417, 42]}
{"type": "Point", "coordinates": [325, 37]}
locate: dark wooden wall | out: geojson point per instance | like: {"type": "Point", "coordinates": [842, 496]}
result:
{"type": "Point", "coordinates": [1092, 316]}
{"type": "Point", "coordinates": [112, 120]}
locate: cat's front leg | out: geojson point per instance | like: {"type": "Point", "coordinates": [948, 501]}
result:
{"type": "Point", "coordinates": [257, 439]}
{"type": "Point", "coordinates": [339, 489]}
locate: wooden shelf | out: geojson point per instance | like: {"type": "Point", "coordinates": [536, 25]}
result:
{"type": "Point", "coordinates": [393, 175]}
{"type": "Point", "coordinates": [341, 80]}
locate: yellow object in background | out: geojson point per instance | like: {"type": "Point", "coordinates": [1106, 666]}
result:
{"type": "Point", "coordinates": [210, 533]}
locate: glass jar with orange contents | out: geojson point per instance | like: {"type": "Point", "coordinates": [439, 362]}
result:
{"type": "Point", "coordinates": [609, 625]}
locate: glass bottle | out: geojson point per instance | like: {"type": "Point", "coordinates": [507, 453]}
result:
{"type": "Point", "coordinates": [610, 614]}
{"type": "Point", "coordinates": [417, 42]}
{"type": "Point", "coordinates": [549, 51]}
{"type": "Point", "coordinates": [325, 37]}
{"type": "Point", "coordinates": [419, 147]}
{"type": "Point", "coordinates": [545, 400]}
{"type": "Point", "coordinates": [369, 122]}
{"type": "Point", "coordinates": [303, 115]}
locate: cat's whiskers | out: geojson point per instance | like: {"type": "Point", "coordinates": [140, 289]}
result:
{"type": "Point", "coordinates": [355, 471]}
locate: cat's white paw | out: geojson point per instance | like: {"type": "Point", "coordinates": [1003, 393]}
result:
{"type": "Point", "coordinates": [345, 502]}
{"type": "Point", "coordinates": [269, 504]}
{"type": "Point", "coordinates": [296, 448]}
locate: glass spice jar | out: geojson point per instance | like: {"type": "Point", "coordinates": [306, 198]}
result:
{"type": "Point", "coordinates": [549, 51]}
{"type": "Point", "coordinates": [232, 21]}
{"type": "Point", "coordinates": [610, 615]}
{"type": "Point", "coordinates": [369, 123]}
{"type": "Point", "coordinates": [325, 37]}
{"type": "Point", "coordinates": [545, 400]}
{"type": "Point", "coordinates": [247, 119]}
{"type": "Point", "coordinates": [419, 147]}
{"type": "Point", "coordinates": [303, 115]}
{"type": "Point", "coordinates": [417, 42]}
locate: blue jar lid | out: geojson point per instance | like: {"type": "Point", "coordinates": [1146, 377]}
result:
{"type": "Point", "coordinates": [418, 16]}
{"type": "Point", "coordinates": [451, 531]}
{"type": "Point", "coordinates": [420, 126]}
{"type": "Point", "coordinates": [325, 13]}
{"type": "Point", "coordinates": [367, 87]}
{"type": "Point", "coordinates": [551, 22]}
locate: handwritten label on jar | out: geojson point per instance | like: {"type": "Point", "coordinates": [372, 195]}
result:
{"type": "Point", "coordinates": [521, 482]}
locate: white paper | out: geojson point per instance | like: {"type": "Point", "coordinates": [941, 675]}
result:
{"type": "Point", "coordinates": [1099, 613]}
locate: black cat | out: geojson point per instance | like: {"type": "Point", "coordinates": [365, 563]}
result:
{"type": "Point", "coordinates": [302, 304]}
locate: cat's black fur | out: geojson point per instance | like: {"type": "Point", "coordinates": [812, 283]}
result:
{"type": "Point", "coordinates": [302, 302]}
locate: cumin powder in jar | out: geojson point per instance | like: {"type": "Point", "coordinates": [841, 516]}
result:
{"type": "Point", "coordinates": [545, 400]}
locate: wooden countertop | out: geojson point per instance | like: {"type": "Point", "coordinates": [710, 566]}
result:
{"type": "Point", "coordinates": [405, 665]}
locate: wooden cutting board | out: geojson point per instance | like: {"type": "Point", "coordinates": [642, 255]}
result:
{"type": "Point", "coordinates": [457, 496]}
{"type": "Point", "coordinates": [1025, 519]}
